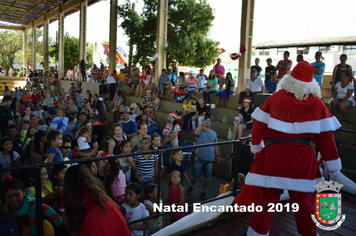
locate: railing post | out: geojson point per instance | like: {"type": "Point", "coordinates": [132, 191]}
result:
{"type": "Point", "coordinates": [38, 200]}
{"type": "Point", "coordinates": [236, 166]}
{"type": "Point", "coordinates": [160, 156]}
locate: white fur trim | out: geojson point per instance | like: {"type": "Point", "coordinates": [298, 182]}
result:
{"type": "Point", "coordinates": [251, 232]}
{"type": "Point", "coordinates": [257, 148]}
{"type": "Point", "coordinates": [301, 185]}
{"type": "Point", "coordinates": [334, 165]}
{"type": "Point", "coordinates": [314, 127]}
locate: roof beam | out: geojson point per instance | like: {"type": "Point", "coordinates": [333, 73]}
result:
{"type": "Point", "coordinates": [50, 3]}
{"type": "Point", "coordinates": [55, 12]}
{"type": "Point", "coordinates": [12, 27]}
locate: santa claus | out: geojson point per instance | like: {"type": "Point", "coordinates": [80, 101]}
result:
{"type": "Point", "coordinates": [284, 129]}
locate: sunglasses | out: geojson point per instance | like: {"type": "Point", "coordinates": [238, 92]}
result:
{"type": "Point", "coordinates": [66, 147]}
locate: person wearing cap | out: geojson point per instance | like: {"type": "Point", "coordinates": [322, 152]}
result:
{"type": "Point", "coordinates": [56, 122]}
{"type": "Point", "coordinates": [219, 71]}
{"type": "Point", "coordinates": [268, 69]}
{"type": "Point", "coordinates": [245, 120]}
{"type": "Point", "coordinates": [284, 66]}
{"type": "Point", "coordinates": [193, 83]}
{"type": "Point", "coordinates": [205, 156]}
{"type": "Point", "coordinates": [174, 129]}
{"type": "Point", "coordinates": [128, 126]}
{"type": "Point", "coordinates": [319, 68]}
{"type": "Point", "coordinates": [256, 66]}
{"type": "Point", "coordinates": [285, 128]}
{"type": "Point", "coordinates": [271, 84]}
{"type": "Point", "coordinates": [202, 78]}
{"type": "Point", "coordinates": [254, 85]}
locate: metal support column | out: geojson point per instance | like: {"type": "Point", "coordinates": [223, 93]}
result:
{"type": "Point", "coordinates": [45, 44]}
{"type": "Point", "coordinates": [248, 7]}
{"type": "Point", "coordinates": [162, 15]}
{"type": "Point", "coordinates": [112, 35]}
{"type": "Point", "coordinates": [33, 51]}
{"type": "Point", "coordinates": [61, 44]}
{"type": "Point", "coordinates": [25, 51]}
{"type": "Point", "coordinates": [82, 34]}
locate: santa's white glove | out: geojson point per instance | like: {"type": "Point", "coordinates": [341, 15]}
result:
{"type": "Point", "coordinates": [333, 174]}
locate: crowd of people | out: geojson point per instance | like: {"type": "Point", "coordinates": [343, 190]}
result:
{"type": "Point", "coordinates": [39, 126]}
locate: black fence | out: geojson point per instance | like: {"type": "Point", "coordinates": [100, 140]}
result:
{"type": "Point", "coordinates": [235, 156]}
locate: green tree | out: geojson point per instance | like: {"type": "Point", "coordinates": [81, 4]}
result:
{"type": "Point", "coordinates": [39, 47]}
{"type": "Point", "coordinates": [189, 22]}
{"type": "Point", "coordinates": [10, 43]}
{"type": "Point", "coordinates": [71, 52]}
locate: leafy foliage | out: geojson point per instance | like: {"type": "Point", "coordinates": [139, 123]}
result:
{"type": "Point", "coordinates": [189, 22]}
{"type": "Point", "coordinates": [71, 52]}
{"type": "Point", "coordinates": [10, 43]}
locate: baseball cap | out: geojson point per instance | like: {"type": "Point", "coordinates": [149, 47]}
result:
{"type": "Point", "coordinates": [269, 59]}
{"type": "Point", "coordinates": [318, 53]}
{"type": "Point", "coordinates": [253, 70]}
{"type": "Point", "coordinates": [52, 111]}
{"type": "Point", "coordinates": [126, 110]}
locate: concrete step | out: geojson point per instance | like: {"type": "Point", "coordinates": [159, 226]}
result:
{"type": "Point", "coordinates": [346, 137]}
{"type": "Point", "coordinates": [347, 159]}
{"type": "Point", "coordinates": [351, 114]}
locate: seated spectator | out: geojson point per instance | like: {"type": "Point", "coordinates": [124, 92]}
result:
{"type": "Point", "coordinates": [83, 204]}
{"type": "Point", "coordinates": [144, 81]}
{"type": "Point", "coordinates": [202, 78]}
{"type": "Point", "coordinates": [245, 120]}
{"type": "Point", "coordinates": [118, 100]}
{"type": "Point", "coordinates": [342, 97]}
{"type": "Point", "coordinates": [52, 144]}
{"type": "Point", "coordinates": [66, 148]}
{"type": "Point", "coordinates": [164, 82]}
{"type": "Point", "coordinates": [115, 181]}
{"type": "Point", "coordinates": [187, 118]}
{"type": "Point", "coordinates": [229, 90]}
{"type": "Point", "coordinates": [271, 84]}
{"type": "Point", "coordinates": [193, 83]}
{"type": "Point", "coordinates": [147, 100]}
{"type": "Point", "coordinates": [134, 81]}
{"type": "Point", "coordinates": [56, 122]}
{"type": "Point", "coordinates": [254, 86]}
{"type": "Point", "coordinates": [117, 138]}
{"type": "Point", "coordinates": [212, 86]}
{"type": "Point", "coordinates": [136, 140]}
{"type": "Point", "coordinates": [103, 90]}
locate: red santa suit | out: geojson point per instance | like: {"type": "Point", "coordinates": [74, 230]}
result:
{"type": "Point", "coordinates": [291, 165]}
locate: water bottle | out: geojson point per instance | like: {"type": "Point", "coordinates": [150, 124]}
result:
{"type": "Point", "coordinates": [225, 119]}
{"type": "Point", "coordinates": [236, 120]}
{"type": "Point", "coordinates": [241, 118]}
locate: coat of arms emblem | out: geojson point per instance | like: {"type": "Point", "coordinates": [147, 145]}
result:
{"type": "Point", "coordinates": [328, 206]}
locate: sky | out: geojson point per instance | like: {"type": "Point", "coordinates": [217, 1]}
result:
{"type": "Point", "coordinates": [273, 20]}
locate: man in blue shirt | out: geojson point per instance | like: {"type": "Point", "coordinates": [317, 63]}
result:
{"type": "Point", "coordinates": [128, 126]}
{"type": "Point", "coordinates": [55, 122]}
{"type": "Point", "coordinates": [319, 68]}
{"type": "Point", "coordinates": [271, 84]}
{"type": "Point", "coordinates": [205, 156]}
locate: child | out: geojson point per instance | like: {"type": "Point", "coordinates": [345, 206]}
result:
{"type": "Point", "coordinates": [179, 120]}
{"type": "Point", "coordinates": [135, 209]}
{"type": "Point", "coordinates": [8, 157]}
{"type": "Point", "coordinates": [156, 145]}
{"type": "Point", "coordinates": [150, 197]}
{"type": "Point", "coordinates": [52, 144]}
{"type": "Point", "coordinates": [24, 128]}
{"type": "Point", "coordinates": [39, 112]}
{"type": "Point", "coordinates": [178, 165]}
{"type": "Point", "coordinates": [83, 139]}
{"type": "Point", "coordinates": [166, 156]}
{"type": "Point", "coordinates": [29, 136]}
{"type": "Point", "coordinates": [58, 172]}
{"type": "Point", "coordinates": [166, 134]}
{"type": "Point", "coordinates": [92, 167]}
{"type": "Point", "coordinates": [42, 125]}
{"type": "Point", "coordinates": [187, 105]}
{"type": "Point", "coordinates": [118, 100]}
{"type": "Point", "coordinates": [176, 195]}
{"type": "Point", "coordinates": [126, 163]}
{"type": "Point", "coordinates": [146, 165]}
{"type": "Point", "coordinates": [115, 182]}
{"type": "Point", "coordinates": [164, 82]}
{"type": "Point", "coordinates": [150, 124]}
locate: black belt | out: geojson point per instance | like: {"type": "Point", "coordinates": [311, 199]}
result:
{"type": "Point", "coordinates": [270, 141]}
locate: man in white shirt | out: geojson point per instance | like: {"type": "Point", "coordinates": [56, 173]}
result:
{"type": "Point", "coordinates": [254, 85]}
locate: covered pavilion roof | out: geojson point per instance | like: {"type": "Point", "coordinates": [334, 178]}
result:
{"type": "Point", "coordinates": [20, 14]}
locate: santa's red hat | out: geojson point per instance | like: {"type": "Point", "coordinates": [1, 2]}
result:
{"type": "Point", "coordinates": [173, 114]}
{"type": "Point", "coordinates": [166, 130]}
{"type": "Point", "coordinates": [247, 99]}
{"type": "Point", "coordinates": [303, 72]}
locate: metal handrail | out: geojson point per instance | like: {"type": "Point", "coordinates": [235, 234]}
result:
{"type": "Point", "coordinates": [37, 167]}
